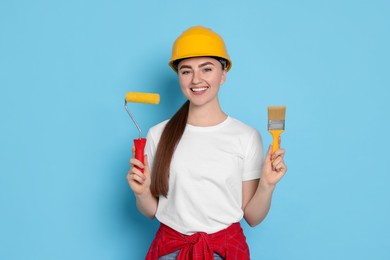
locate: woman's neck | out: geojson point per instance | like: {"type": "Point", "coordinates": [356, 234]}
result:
{"type": "Point", "coordinates": [205, 116]}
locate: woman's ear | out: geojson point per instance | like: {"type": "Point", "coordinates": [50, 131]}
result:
{"type": "Point", "coordinates": [223, 77]}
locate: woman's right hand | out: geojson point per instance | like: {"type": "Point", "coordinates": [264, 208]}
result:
{"type": "Point", "coordinates": [139, 182]}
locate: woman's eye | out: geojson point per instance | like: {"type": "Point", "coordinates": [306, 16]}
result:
{"type": "Point", "coordinates": [185, 72]}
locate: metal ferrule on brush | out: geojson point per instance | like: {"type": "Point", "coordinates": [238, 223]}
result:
{"type": "Point", "coordinates": [276, 124]}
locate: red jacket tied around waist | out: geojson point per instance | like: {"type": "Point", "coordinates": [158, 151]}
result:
{"type": "Point", "coordinates": [229, 243]}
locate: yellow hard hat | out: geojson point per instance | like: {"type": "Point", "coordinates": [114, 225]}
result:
{"type": "Point", "coordinates": [199, 41]}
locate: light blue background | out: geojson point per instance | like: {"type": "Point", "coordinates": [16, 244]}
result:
{"type": "Point", "coordinates": [66, 139]}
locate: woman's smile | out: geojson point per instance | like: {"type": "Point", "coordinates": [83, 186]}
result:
{"type": "Point", "coordinates": [199, 90]}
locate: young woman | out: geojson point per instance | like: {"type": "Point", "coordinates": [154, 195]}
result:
{"type": "Point", "coordinates": [203, 170]}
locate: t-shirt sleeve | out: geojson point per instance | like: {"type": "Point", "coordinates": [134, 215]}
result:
{"type": "Point", "coordinates": [150, 148]}
{"type": "Point", "coordinates": [253, 159]}
{"type": "Point", "coordinates": [152, 139]}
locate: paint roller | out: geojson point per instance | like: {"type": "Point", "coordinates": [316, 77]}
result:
{"type": "Point", "coordinates": [145, 98]}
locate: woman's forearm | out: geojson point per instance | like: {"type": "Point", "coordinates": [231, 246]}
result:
{"type": "Point", "coordinates": [258, 207]}
{"type": "Point", "coordinates": [147, 204]}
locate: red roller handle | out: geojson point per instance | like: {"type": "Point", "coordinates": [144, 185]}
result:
{"type": "Point", "coordinates": [139, 149]}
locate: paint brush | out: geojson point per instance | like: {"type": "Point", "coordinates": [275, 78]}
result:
{"type": "Point", "coordinates": [276, 116]}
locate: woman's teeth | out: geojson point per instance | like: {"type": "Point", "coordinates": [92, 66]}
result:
{"type": "Point", "coordinates": [199, 89]}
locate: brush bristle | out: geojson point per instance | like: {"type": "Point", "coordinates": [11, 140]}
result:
{"type": "Point", "coordinates": [276, 112]}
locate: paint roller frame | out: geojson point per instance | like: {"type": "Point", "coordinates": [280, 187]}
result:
{"type": "Point", "coordinates": [145, 98]}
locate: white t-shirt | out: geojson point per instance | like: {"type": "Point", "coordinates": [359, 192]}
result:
{"type": "Point", "coordinates": [206, 175]}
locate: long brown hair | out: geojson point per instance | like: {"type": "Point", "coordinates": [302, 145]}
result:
{"type": "Point", "coordinates": [170, 137]}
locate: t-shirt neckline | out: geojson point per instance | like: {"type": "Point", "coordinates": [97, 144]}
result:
{"type": "Point", "coordinates": [210, 128]}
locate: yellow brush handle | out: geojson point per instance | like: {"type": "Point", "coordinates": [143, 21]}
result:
{"type": "Point", "coordinates": [275, 136]}
{"type": "Point", "coordinates": [142, 97]}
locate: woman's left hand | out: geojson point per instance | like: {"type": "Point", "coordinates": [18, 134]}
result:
{"type": "Point", "coordinates": [274, 168]}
